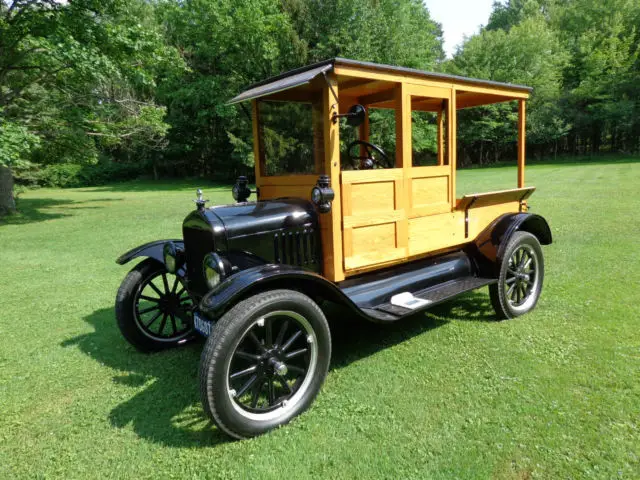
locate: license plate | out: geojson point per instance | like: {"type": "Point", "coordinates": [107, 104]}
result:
{"type": "Point", "coordinates": [201, 325]}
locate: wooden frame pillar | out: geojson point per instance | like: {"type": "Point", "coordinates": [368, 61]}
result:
{"type": "Point", "coordinates": [403, 127]}
{"type": "Point", "coordinates": [440, 133]}
{"type": "Point", "coordinates": [452, 125]}
{"type": "Point", "coordinates": [404, 160]}
{"type": "Point", "coordinates": [364, 131]}
{"type": "Point", "coordinates": [258, 157]}
{"type": "Point", "coordinates": [331, 222]}
{"type": "Point", "coordinates": [522, 141]}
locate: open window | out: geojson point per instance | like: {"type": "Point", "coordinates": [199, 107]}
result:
{"type": "Point", "coordinates": [291, 139]}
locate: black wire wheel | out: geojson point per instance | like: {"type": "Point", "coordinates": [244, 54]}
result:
{"type": "Point", "coordinates": [153, 308]}
{"type": "Point", "coordinates": [264, 362]}
{"type": "Point", "coordinates": [521, 275]}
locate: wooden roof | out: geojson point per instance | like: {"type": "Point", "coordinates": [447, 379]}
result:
{"type": "Point", "coordinates": [305, 75]}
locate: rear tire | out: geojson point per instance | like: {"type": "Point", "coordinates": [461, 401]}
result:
{"type": "Point", "coordinates": [153, 308]}
{"type": "Point", "coordinates": [521, 276]}
{"type": "Point", "coordinates": [264, 363]}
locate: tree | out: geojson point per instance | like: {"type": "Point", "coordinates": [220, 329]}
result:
{"type": "Point", "coordinates": [78, 77]}
{"type": "Point", "coordinates": [530, 53]}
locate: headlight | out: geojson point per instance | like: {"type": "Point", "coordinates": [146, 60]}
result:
{"type": "Point", "coordinates": [170, 256]}
{"type": "Point", "coordinates": [213, 269]}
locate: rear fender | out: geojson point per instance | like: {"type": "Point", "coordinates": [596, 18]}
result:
{"type": "Point", "coordinates": [269, 277]}
{"type": "Point", "coordinates": [492, 242]}
{"type": "Point", "coordinates": [150, 250]}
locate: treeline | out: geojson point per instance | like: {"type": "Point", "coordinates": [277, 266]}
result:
{"type": "Point", "coordinates": [99, 89]}
{"type": "Point", "coordinates": [581, 57]}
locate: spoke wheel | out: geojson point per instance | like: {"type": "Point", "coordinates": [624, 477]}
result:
{"type": "Point", "coordinates": [153, 308]}
{"type": "Point", "coordinates": [271, 363]}
{"type": "Point", "coordinates": [264, 362]}
{"type": "Point", "coordinates": [162, 307]}
{"type": "Point", "coordinates": [521, 274]}
{"type": "Point", "coordinates": [521, 278]}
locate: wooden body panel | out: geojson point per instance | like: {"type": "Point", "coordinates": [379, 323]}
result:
{"type": "Point", "coordinates": [373, 217]}
{"type": "Point", "coordinates": [481, 217]}
{"type": "Point", "coordinates": [382, 217]}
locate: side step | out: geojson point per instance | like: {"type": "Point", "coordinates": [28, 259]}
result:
{"type": "Point", "coordinates": [387, 312]}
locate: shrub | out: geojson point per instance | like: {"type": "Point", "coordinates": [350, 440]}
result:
{"type": "Point", "coordinates": [70, 175]}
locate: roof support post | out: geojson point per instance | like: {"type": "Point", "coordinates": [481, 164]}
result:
{"type": "Point", "coordinates": [258, 153]}
{"type": "Point", "coordinates": [452, 142]}
{"type": "Point", "coordinates": [403, 127]}
{"type": "Point", "coordinates": [331, 222]}
{"type": "Point", "coordinates": [521, 141]}
{"type": "Point", "coordinates": [440, 133]}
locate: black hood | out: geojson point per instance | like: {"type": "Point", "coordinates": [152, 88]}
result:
{"type": "Point", "coordinates": [256, 217]}
{"type": "Point", "coordinates": [253, 233]}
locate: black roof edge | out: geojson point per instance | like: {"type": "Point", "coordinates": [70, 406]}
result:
{"type": "Point", "coordinates": [394, 69]}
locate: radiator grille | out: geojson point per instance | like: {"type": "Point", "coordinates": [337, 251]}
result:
{"type": "Point", "coordinates": [296, 247]}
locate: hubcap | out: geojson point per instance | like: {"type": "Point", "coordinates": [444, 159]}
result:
{"type": "Point", "coordinates": [521, 280]}
{"type": "Point", "coordinates": [271, 366]}
{"type": "Point", "coordinates": [161, 307]}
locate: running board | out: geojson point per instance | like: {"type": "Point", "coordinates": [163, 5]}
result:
{"type": "Point", "coordinates": [386, 312]}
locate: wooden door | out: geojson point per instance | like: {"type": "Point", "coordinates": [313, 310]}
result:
{"type": "Point", "coordinates": [393, 215]}
{"type": "Point", "coordinates": [374, 218]}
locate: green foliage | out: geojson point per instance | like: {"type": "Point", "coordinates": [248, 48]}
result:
{"type": "Point", "coordinates": [581, 57]}
{"type": "Point", "coordinates": [71, 175]}
{"type": "Point", "coordinates": [80, 78]}
{"type": "Point", "coordinates": [383, 31]}
{"type": "Point", "coordinates": [530, 53]}
{"type": "Point", "coordinates": [16, 142]}
{"type": "Point", "coordinates": [256, 39]}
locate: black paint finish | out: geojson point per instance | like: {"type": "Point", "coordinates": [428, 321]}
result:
{"type": "Point", "coordinates": [360, 294]}
{"type": "Point", "coordinates": [151, 250]}
{"type": "Point", "coordinates": [251, 234]}
{"type": "Point", "coordinates": [378, 287]}
{"type": "Point", "coordinates": [488, 247]}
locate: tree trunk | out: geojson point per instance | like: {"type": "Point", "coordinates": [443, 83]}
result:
{"type": "Point", "coordinates": [7, 202]}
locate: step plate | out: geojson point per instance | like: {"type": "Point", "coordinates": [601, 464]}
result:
{"type": "Point", "coordinates": [436, 295]}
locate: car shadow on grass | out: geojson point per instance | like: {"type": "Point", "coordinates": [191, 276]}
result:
{"type": "Point", "coordinates": [164, 406]}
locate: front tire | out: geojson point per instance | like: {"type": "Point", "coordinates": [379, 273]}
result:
{"type": "Point", "coordinates": [152, 308]}
{"type": "Point", "coordinates": [521, 276]}
{"type": "Point", "coordinates": [264, 362]}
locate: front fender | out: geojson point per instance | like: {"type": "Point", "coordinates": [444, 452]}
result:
{"type": "Point", "coordinates": [150, 250]}
{"type": "Point", "coordinates": [268, 277]}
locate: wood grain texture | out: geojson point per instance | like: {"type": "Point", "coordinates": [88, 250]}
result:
{"type": "Point", "coordinates": [481, 218]}
{"type": "Point", "coordinates": [331, 222]}
{"type": "Point", "coordinates": [435, 232]}
{"type": "Point", "coordinates": [521, 140]}
{"type": "Point", "coordinates": [257, 142]}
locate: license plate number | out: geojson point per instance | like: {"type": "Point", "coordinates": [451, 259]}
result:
{"type": "Point", "coordinates": [201, 325]}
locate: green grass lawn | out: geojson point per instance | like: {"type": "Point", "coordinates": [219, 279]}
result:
{"type": "Point", "coordinates": [448, 394]}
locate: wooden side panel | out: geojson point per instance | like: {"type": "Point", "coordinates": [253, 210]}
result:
{"type": "Point", "coordinates": [371, 197]}
{"type": "Point", "coordinates": [481, 218]}
{"type": "Point", "coordinates": [435, 232]}
{"type": "Point", "coordinates": [430, 195]}
{"type": "Point", "coordinates": [269, 192]}
{"type": "Point", "coordinates": [374, 218]}
{"type": "Point", "coordinates": [287, 186]}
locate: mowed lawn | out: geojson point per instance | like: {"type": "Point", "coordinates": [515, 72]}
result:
{"type": "Point", "coordinates": [447, 394]}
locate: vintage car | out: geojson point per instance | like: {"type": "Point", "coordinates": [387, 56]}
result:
{"type": "Point", "coordinates": [382, 234]}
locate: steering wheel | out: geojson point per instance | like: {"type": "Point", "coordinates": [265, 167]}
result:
{"type": "Point", "coordinates": [367, 162]}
